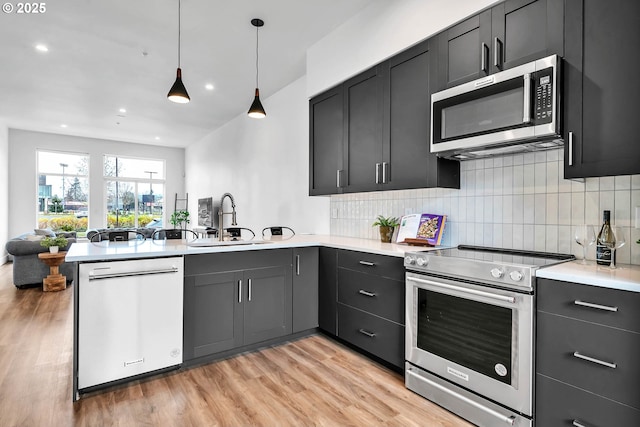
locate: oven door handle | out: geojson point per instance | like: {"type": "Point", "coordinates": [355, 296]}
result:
{"type": "Point", "coordinates": [509, 420]}
{"type": "Point", "coordinates": [461, 289]}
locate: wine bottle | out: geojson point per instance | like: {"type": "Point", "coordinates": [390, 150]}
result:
{"type": "Point", "coordinates": [605, 238]}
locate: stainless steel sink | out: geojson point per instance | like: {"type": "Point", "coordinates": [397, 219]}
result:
{"type": "Point", "coordinates": [212, 242]}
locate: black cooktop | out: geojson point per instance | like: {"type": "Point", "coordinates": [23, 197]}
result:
{"type": "Point", "coordinates": [506, 256]}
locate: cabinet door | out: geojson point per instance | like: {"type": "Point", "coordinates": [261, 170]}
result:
{"type": "Point", "coordinates": [325, 142]}
{"type": "Point", "coordinates": [305, 289]}
{"type": "Point", "coordinates": [463, 51]}
{"type": "Point", "coordinates": [525, 30]}
{"type": "Point", "coordinates": [328, 290]}
{"type": "Point", "coordinates": [363, 131]}
{"type": "Point", "coordinates": [601, 87]}
{"type": "Point", "coordinates": [407, 161]}
{"type": "Point", "coordinates": [213, 319]}
{"type": "Point", "coordinates": [267, 303]}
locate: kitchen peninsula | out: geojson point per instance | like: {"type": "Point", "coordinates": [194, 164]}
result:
{"type": "Point", "coordinates": [227, 297]}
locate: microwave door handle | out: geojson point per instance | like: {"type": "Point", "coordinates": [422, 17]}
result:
{"type": "Point", "coordinates": [527, 99]}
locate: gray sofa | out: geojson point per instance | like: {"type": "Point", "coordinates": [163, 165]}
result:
{"type": "Point", "coordinates": [28, 269]}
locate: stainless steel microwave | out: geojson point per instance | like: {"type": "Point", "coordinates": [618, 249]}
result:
{"type": "Point", "coordinates": [511, 111]}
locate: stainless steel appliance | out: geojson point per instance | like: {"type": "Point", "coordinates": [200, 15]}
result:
{"type": "Point", "coordinates": [129, 318]}
{"type": "Point", "coordinates": [470, 331]}
{"type": "Point", "coordinates": [514, 110]}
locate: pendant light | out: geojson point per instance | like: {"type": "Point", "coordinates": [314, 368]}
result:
{"type": "Point", "coordinates": [178, 93]}
{"type": "Point", "coordinates": [257, 110]}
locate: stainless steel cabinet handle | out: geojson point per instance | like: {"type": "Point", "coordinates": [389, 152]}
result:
{"type": "Point", "coordinates": [338, 178]}
{"type": "Point", "coordinates": [367, 333]}
{"type": "Point", "coordinates": [377, 173]}
{"type": "Point", "coordinates": [249, 284]}
{"type": "Point", "coordinates": [570, 149]}
{"type": "Point", "coordinates": [367, 263]}
{"type": "Point", "coordinates": [297, 265]}
{"type": "Point", "coordinates": [240, 290]}
{"type": "Point", "coordinates": [594, 360]}
{"type": "Point", "coordinates": [484, 53]}
{"type": "Point", "coordinates": [497, 53]}
{"type": "Point", "coordinates": [384, 172]}
{"type": "Point", "coordinates": [596, 306]}
{"type": "Point", "coordinates": [577, 423]}
{"type": "Point", "coordinates": [510, 420]}
{"type": "Point", "coordinates": [527, 99]}
{"type": "Point", "coordinates": [366, 293]}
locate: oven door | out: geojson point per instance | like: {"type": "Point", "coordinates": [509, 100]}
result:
{"type": "Point", "coordinates": [476, 336]}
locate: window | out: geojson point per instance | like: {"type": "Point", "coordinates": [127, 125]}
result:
{"type": "Point", "coordinates": [63, 191]}
{"type": "Point", "coordinates": [134, 192]}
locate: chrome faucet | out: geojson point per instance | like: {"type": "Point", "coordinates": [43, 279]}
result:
{"type": "Point", "coordinates": [221, 215]}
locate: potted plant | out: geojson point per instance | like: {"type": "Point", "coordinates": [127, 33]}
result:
{"type": "Point", "coordinates": [180, 219]}
{"type": "Point", "coordinates": [54, 243]}
{"type": "Point", "coordinates": [387, 226]}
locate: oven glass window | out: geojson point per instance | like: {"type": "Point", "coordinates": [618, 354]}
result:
{"type": "Point", "coordinates": [473, 334]}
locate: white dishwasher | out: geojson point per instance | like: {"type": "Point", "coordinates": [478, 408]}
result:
{"type": "Point", "coordinates": [129, 318]}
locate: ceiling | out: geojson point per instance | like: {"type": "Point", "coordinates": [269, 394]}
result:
{"type": "Point", "coordinates": [108, 55]}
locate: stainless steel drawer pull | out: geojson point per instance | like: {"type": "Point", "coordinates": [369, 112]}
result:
{"type": "Point", "coordinates": [239, 290]}
{"type": "Point", "coordinates": [366, 293]}
{"type": "Point", "coordinates": [367, 333]}
{"type": "Point", "coordinates": [592, 305]}
{"type": "Point", "coordinates": [594, 360]}
{"type": "Point", "coordinates": [577, 423]}
{"type": "Point", "coordinates": [249, 289]}
{"type": "Point", "coordinates": [367, 263]}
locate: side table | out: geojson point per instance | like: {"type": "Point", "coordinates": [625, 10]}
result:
{"type": "Point", "coordinates": [54, 281]}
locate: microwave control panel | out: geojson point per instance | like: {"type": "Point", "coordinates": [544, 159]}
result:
{"type": "Point", "coordinates": [543, 106]}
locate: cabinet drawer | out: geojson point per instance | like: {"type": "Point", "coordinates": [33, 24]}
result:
{"type": "Point", "coordinates": [381, 265]}
{"type": "Point", "coordinates": [560, 337]}
{"type": "Point", "coordinates": [378, 336]}
{"type": "Point", "coordinates": [577, 301]}
{"type": "Point", "coordinates": [377, 295]}
{"type": "Point", "coordinates": [559, 404]}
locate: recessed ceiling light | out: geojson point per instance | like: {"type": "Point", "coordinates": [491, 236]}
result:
{"type": "Point", "coordinates": [157, 138]}
{"type": "Point", "coordinates": [208, 86]}
{"type": "Point", "coordinates": [123, 110]}
{"type": "Point", "coordinates": [63, 125]}
{"type": "Point", "coordinates": [42, 48]}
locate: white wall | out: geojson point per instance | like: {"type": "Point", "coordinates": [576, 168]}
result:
{"type": "Point", "coordinates": [23, 178]}
{"type": "Point", "coordinates": [379, 31]}
{"type": "Point", "coordinates": [4, 190]}
{"type": "Point", "coordinates": [264, 164]}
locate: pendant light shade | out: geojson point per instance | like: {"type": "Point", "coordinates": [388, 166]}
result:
{"type": "Point", "coordinates": [256, 111]}
{"type": "Point", "coordinates": [178, 93]}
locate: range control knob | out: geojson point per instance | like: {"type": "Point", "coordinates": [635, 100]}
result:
{"type": "Point", "coordinates": [409, 260]}
{"type": "Point", "coordinates": [421, 262]}
{"type": "Point", "coordinates": [497, 273]}
{"type": "Point", "coordinates": [516, 276]}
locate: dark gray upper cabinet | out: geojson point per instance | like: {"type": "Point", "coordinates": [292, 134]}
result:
{"type": "Point", "coordinates": [601, 87]}
{"type": "Point", "coordinates": [509, 34]}
{"type": "Point", "coordinates": [325, 142]}
{"type": "Point", "coordinates": [406, 160]}
{"type": "Point", "coordinates": [363, 131]}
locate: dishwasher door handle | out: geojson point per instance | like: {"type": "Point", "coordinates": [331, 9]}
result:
{"type": "Point", "coordinates": [93, 276]}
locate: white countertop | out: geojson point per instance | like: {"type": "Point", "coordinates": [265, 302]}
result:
{"type": "Point", "coordinates": [625, 277]}
{"type": "Point", "coordinates": [106, 251]}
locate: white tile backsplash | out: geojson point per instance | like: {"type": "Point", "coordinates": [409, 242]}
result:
{"type": "Point", "coordinates": [520, 201]}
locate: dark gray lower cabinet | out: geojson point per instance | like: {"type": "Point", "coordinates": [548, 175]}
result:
{"type": "Point", "coordinates": [370, 304]}
{"type": "Point", "coordinates": [235, 299]}
{"type": "Point", "coordinates": [305, 289]}
{"type": "Point", "coordinates": [587, 352]}
{"type": "Point", "coordinates": [327, 290]}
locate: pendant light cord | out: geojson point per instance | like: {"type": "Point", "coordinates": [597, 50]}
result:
{"type": "Point", "coordinates": [179, 33]}
{"type": "Point", "coordinates": [257, 39]}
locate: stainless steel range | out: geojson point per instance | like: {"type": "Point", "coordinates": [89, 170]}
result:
{"type": "Point", "coordinates": [470, 330]}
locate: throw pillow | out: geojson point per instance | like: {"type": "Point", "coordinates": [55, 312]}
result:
{"type": "Point", "coordinates": [34, 237]}
{"type": "Point", "coordinates": [44, 232]}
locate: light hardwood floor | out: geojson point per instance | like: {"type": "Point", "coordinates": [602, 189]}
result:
{"type": "Point", "coordinates": [313, 381]}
